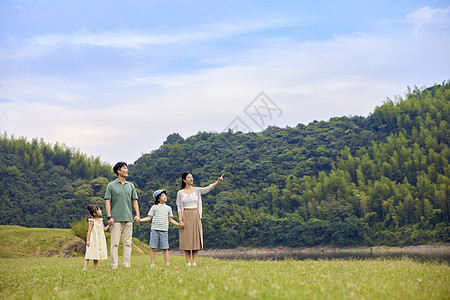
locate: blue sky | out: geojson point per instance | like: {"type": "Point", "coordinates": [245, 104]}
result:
{"type": "Point", "coordinates": [115, 78]}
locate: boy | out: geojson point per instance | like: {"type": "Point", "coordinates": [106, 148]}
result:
{"type": "Point", "coordinates": [162, 215]}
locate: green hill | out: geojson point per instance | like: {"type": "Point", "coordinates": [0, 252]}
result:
{"type": "Point", "coordinates": [377, 180]}
{"type": "Point", "coordinates": [17, 241]}
{"type": "Point", "coordinates": [381, 179]}
{"type": "Point", "coordinates": [47, 186]}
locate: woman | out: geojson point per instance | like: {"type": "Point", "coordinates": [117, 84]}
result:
{"type": "Point", "coordinates": [189, 204]}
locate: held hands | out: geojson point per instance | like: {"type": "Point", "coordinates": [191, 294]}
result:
{"type": "Point", "coordinates": [110, 221]}
{"type": "Point", "coordinates": [137, 219]}
{"type": "Point", "coordinates": [181, 225]}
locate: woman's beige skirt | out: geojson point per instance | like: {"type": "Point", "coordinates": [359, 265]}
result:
{"type": "Point", "coordinates": [191, 236]}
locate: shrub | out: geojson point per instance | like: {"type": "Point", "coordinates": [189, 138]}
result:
{"type": "Point", "coordinates": [80, 228]}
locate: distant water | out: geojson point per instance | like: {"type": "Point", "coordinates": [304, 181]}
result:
{"type": "Point", "coordinates": [422, 256]}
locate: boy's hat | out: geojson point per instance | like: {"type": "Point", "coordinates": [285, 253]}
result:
{"type": "Point", "coordinates": [158, 192]}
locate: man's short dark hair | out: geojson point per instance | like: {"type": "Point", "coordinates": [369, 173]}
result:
{"type": "Point", "coordinates": [118, 166]}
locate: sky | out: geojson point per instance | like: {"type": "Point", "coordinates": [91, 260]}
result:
{"type": "Point", "coordinates": [114, 78]}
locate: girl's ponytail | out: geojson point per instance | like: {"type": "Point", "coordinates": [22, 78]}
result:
{"type": "Point", "coordinates": [92, 209]}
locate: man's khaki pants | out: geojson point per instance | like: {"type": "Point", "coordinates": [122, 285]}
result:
{"type": "Point", "coordinates": [126, 229]}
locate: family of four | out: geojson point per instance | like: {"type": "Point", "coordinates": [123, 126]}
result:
{"type": "Point", "coordinates": [121, 198]}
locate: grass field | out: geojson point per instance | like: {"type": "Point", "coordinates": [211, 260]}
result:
{"type": "Point", "coordinates": [63, 278]}
{"type": "Point", "coordinates": [30, 270]}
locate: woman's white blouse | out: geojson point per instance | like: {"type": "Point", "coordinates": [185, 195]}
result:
{"type": "Point", "coordinates": [190, 200]}
{"type": "Point", "coordinates": [198, 192]}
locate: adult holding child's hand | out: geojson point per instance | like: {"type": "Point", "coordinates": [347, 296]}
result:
{"type": "Point", "coordinates": [189, 204]}
{"type": "Point", "coordinates": [120, 198]}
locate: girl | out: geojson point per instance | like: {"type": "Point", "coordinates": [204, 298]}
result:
{"type": "Point", "coordinates": [95, 240]}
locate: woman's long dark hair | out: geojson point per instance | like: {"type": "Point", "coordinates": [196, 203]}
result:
{"type": "Point", "coordinates": [183, 177]}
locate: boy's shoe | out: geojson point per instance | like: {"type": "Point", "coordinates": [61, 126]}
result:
{"type": "Point", "coordinates": [167, 264]}
{"type": "Point", "coordinates": [152, 265]}
{"type": "Point", "coordinates": [194, 264]}
{"type": "Point", "coordinates": [188, 264]}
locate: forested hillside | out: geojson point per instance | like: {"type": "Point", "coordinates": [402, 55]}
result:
{"type": "Point", "coordinates": [43, 185]}
{"type": "Point", "coordinates": [381, 179]}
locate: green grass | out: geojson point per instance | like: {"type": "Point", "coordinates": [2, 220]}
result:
{"type": "Point", "coordinates": [28, 274]}
{"type": "Point", "coordinates": [63, 278]}
{"type": "Point", "coordinates": [17, 241]}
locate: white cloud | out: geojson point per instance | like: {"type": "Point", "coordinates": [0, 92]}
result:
{"type": "Point", "coordinates": [427, 15]}
{"type": "Point", "coordinates": [131, 39]}
{"type": "Point", "coordinates": [44, 89]}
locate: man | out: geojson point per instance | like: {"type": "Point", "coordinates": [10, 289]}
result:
{"type": "Point", "coordinates": [120, 196]}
